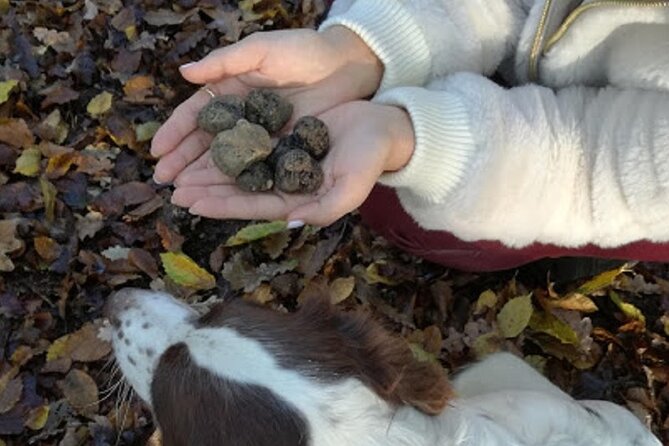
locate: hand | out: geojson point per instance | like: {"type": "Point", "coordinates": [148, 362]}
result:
{"type": "Point", "coordinates": [316, 71]}
{"type": "Point", "coordinates": [366, 140]}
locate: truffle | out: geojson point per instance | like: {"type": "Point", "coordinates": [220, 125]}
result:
{"type": "Point", "coordinates": [221, 113]}
{"type": "Point", "coordinates": [297, 172]}
{"type": "Point", "coordinates": [259, 177]}
{"type": "Point", "coordinates": [236, 149]}
{"type": "Point", "coordinates": [312, 135]}
{"type": "Point", "coordinates": [268, 109]}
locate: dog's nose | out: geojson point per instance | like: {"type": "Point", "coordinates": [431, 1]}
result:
{"type": "Point", "coordinates": [118, 302]}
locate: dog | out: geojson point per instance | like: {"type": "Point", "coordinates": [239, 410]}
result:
{"type": "Point", "coordinates": [245, 375]}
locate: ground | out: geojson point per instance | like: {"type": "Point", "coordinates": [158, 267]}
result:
{"type": "Point", "coordinates": [83, 86]}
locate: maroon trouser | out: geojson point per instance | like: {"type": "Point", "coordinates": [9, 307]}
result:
{"type": "Point", "coordinates": [383, 213]}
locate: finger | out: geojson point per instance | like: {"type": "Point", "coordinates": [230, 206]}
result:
{"type": "Point", "coordinates": [183, 120]}
{"type": "Point", "coordinates": [243, 206]}
{"type": "Point", "coordinates": [188, 151]}
{"type": "Point", "coordinates": [202, 177]}
{"type": "Point", "coordinates": [188, 196]}
{"type": "Point", "coordinates": [242, 57]}
{"type": "Point", "coordinates": [344, 197]}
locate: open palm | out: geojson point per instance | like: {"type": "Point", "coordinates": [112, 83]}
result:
{"type": "Point", "coordinates": [315, 71]}
{"type": "Point", "coordinates": [366, 140]}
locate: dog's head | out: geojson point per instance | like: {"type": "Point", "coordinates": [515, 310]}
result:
{"type": "Point", "coordinates": [247, 375]}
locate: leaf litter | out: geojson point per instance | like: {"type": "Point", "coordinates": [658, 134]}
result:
{"type": "Point", "coordinates": [85, 87]}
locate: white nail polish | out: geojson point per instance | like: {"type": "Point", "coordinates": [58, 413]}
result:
{"type": "Point", "coordinates": [186, 65]}
{"type": "Point", "coordinates": [294, 224]}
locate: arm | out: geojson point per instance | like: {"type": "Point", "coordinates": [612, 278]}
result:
{"type": "Point", "coordinates": [418, 40]}
{"type": "Point", "coordinates": [531, 165]}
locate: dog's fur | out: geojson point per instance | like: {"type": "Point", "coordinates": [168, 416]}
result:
{"type": "Point", "coordinates": [247, 376]}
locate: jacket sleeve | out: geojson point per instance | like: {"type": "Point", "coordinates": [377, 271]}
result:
{"type": "Point", "coordinates": [576, 166]}
{"type": "Point", "coordinates": [418, 40]}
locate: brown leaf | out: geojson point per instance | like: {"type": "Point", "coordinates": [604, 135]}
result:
{"type": "Point", "coordinates": [81, 392]}
{"type": "Point", "coordinates": [164, 17]}
{"type": "Point", "coordinates": [9, 243]}
{"type": "Point", "coordinates": [10, 394]}
{"type": "Point", "coordinates": [83, 345]}
{"type": "Point", "coordinates": [20, 197]}
{"type": "Point", "coordinates": [47, 248]}
{"type": "Point", "coordinates": [171, 240]}
{"type": "Point", "coordinates": [57, 94]}
{"type": "Point", "coordinates": [89, 225]}
{"type": "Point", "coordinates": [143, 260]}
{"type": "Point", "coordinates": [117, 199]}
{"type": "Point", "coordinates": [137, 88]}
{"type": "Point", "coordinates": [16, 133]}
{"type": "Point", "coordinates": [121, 131]}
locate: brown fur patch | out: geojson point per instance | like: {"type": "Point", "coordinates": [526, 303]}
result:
{"type": "Point", "coordinates": [327, 344]}
{"type": "Point", "coordinates": [195, 407]}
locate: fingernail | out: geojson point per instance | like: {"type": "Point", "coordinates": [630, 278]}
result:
{"type": "Point", "coordinates": [294, 224]}
{"type": "Point", "coordinates": [186, 65]}
{"type": "Point", "coordinates": [193, 211]}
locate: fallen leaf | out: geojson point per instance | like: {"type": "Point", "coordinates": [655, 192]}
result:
{"type": "Point", "coordinates": [83, 345]}
{"type": "Point", "coordinates": [53, 128]}
{"type": "Point", "coordinates": [515, 315]}
{"type": "Point", "coordinates": [275, 244]}
{"type": "Point", "coordinates": [47, 248]}
{"type": "Point", "coordinates": [487, 300]}
{"type": "Point", "coordinates": [116, 253]}
{"type": "Point", "coordinates": [341, 288]}
{"type": "Point", "coordinates": [256, 232]}
{"type": "Point", "coordinates": [573, 301]}
{"type": "Point", "coordinates": [9, 244]}
{"type": "Point", "coordinates": [6, 88]}
{"type": "Point", "coordinates": [10, 394]}
{"type": "Point", "coordinates": [244, 275]}
{"type": "Point", "coordinates": [162, 17]}
{"type": "Point", "coordinates": [81, 392]}
{"type": "Point", "coordinates": [100, 104]}
{"type": "Point", "coordinates": [549, 324]}
{"type": "Point", "coordinates": [37, 417]}
{"type": "Point", "coordinates": [185, 272]}
{"type": "Point", "coordinates": [629, 310]}
{"type": "Point", "coordinates": [603, 280]}
{"type": "Point", "coordinates": [58, 94]}
{"type": "Point", "coordinates": [28, 163]}
{"type": "Point", "coordinates": [146, 131]}
{"type": "Point", "coordinates": [88, 225]}
{"type": "Point", "coordinates": [49, 193]}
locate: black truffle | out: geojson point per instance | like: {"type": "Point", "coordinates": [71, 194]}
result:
{"type": "Point", "coordinates": [268, 109]}
{"type": "Point", "coordinates": [312, 135]}
{"type": "Point", "coordinates": [221, 113]}
{"type": "Point", "coordinates": [297, 172]}
{"type": "Point", "coordinates": [236, 149]}
{"type": "Point", "coordinates": [259, 177]}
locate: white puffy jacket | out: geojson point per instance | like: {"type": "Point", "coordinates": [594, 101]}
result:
{"type": "Point", "coordinates": [576, 152]}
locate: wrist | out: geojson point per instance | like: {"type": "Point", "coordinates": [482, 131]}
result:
{"type": "Point", "coordinates": [402, 139]}
{"type": "Point", "coordinates": [358, 57]}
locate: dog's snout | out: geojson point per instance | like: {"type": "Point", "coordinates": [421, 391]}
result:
{"type": "Point", "coordinates": [118, 302]}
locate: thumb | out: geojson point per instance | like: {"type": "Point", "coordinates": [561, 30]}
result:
{"type": "Point", "coordinates": [233, 60]}
{"type": "Point", "coordinates": [344, 197]}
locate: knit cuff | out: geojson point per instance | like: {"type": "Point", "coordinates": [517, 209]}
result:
{"type": "Point", "coordinates": [392, 33]}
{"type": "Point", "coordinates": [444, 142]}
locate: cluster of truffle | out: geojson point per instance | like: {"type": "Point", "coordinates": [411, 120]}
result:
{"type": "Point", "coordinates": [242, 146]}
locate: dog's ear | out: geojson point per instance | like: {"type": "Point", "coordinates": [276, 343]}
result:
{"type": "Point", "coordinates": [384, 362]}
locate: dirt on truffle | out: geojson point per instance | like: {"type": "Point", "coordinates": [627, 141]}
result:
{"type": "Point", "coordinates": [297, 172]}
{"type": "Point", "coordinates": [312, 136]}
{"type": "Point", "coordinates": [259, 177]}
{"type": "Point", "coordinates": [236, 149]}
{"type": "Point", "coordinates": [268, 109]}
{"type": "Point", "coordinates": [221, 113]}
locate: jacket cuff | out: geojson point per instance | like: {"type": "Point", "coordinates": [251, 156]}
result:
{"type": "Point", "coordinates": [392, 33]}
{"type": "Point", "coordinates": [444, 142]}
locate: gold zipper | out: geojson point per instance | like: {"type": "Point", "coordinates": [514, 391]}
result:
{"type": "Point", "coordinates": [576, 13]}
{"type": "Point", "coordinates": [536, 44]}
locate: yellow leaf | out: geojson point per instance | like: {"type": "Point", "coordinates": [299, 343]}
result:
{"type": "Point", "coordinates": [185, 272]}
{"type": "Point", "coordinates": [629, 310]}
{"type": "Point", "coordinates": [487, 343]}
{"type": "Point", "coordinates": [4, 9]}
{"type": "Point", "coordinates": [341, 289]}
{"type": "Point", "coordinates": [49, 193]}
{"type": "Point", "coordinates": [100, 104]}
{"type": "Point", "coordinates": [58, 349]}
{"type": "Point", "coordinates": [487, 299]}
{"type": "Point", "coordinates": [256, 232]}
{"type": "Point", "coordinates": [603, 280]}
{"type": "Point", "coordinates": [145, 131]}
{"type": "Point", "coordinates": [37, 417]}
{"type": "Point", "coordinates": [28, 163]}
{"type": "Point", "coordinates": [515, 315]}
{"type": "Point", "coordinates": [421, 355]}
{"type": "Point", "coordinates": [6, 88]}
{"type": "Point", "coordinates": [372, 274]}
{"type": "Point", "coordinates": [551, 325]}
{"type": "Point", "coordinates": [573, 301]}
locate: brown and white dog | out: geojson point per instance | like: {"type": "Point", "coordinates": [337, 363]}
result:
{"type": "Point", "coordinates": [243, 375]}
